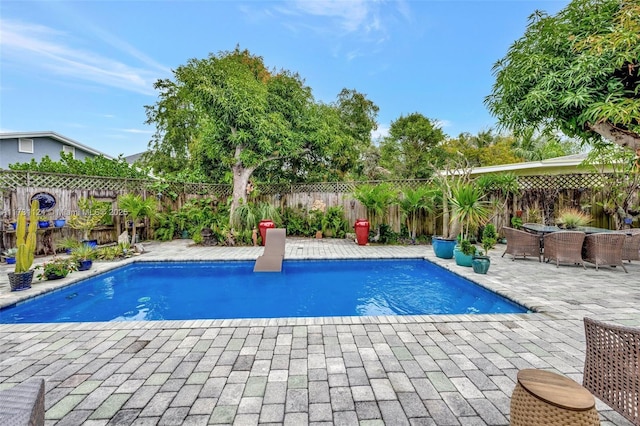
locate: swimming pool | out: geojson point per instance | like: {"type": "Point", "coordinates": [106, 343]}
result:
{"type": "Point", "coordinates": [152, 291]}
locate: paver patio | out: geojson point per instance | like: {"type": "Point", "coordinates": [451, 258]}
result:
{"type": "Point", "coordinates": [427, 370]}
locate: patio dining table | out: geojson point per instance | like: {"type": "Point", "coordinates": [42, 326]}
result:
{"type": "Point", "coordinates": [538, 228]}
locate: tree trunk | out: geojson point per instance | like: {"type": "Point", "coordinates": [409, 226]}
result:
{"type": "Point", "coordinates": [618, 136]}
{"type": "Point", "coordinates": [445, 215]}
{"type": "Point", "coordinates": [241, 177]}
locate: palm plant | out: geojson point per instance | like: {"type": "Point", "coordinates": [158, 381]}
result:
{"type": "Point", "coordinates": [376, 199]}
{"type": "Point", "coordinates": [469, 208]}
{"type": "Point", "coordinates": [244, 217]}
{"type": "Point", "coordinates": [137, 208]}
{"type": "Point", "coordinates": [414, 201]}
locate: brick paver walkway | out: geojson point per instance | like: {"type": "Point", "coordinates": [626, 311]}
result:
{"type": "Point", "coordinates": [431, 370]}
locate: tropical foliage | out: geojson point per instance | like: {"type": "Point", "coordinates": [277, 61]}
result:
{"type": "Point", "coordinates": [469, 207]}
{"type": "Point", "coordinates": [376, 199]}
{"type": "Point", "coordinates": [413, 202]}
{"type": "Point", "coordinates": [90, 166]}
{"type": "Point", "coordinates": [91, 213]}
{"type": "Point", "coordinates": [577, 71]}
{"type": "Point", "coordinates": [135, 208]}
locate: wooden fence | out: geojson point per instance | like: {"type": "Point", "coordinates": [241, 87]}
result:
{"type": "Point", "coordinates": [540, 197]}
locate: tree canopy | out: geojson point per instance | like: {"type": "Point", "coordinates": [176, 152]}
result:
{"type": "Point", "coordinates": [229, 116]}
{"type": "Point", "coordinates": [412, 149]}
{"type": "Point", "coordinates": [577, 71]}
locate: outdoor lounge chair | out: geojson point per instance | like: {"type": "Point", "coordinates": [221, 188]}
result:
{"type": "Point", "coordinates": [564, 247]}
{"type": "Point", "coordinates": [612, 366]}
{"type": "Point", "coordinates": [271, 259]}
{"type": "Point", "coordinates": [23, 404]}
{"type": "Point", "coordinates": [521, 243]}
{"type": "Point", "coordinates": [631, 247]}
{"type": "Point", "coordinates": [605, 248]}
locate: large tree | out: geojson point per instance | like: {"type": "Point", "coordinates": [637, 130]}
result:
{"type": "Point", "coordinates": [577, 71]}
{"type": "Point", "coordinates": [229, 115]}
{"type": "Point", "coordinates": [413, 147]}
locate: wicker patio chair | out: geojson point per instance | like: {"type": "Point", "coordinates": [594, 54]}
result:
{"type": "Point", "coordinates": [564, 247]}
{"type": "Point", "coordinates": [521, 243]}
{"type": "Point", "coordinates": [23, 404]}
{"type": "Point", "coordinates": [631, 247]}
{"type": "Point", "coordinates": [612, 366]}
{"type": "Point", "coordinates": [604, 248]}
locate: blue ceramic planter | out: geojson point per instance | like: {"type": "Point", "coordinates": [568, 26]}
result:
{"type": "Point", "coordinates": [443, 248]}
{"type": "Point", "coordinates": [59, 223]}
{"type": "Point", "coordinates": [480, 264]}
{"type": "Point", "coordinates": [461, 258]}
{"type": "Point", "coordinates": [84, 265]}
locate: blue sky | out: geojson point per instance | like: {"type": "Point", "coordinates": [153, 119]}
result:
{"type": "Point", "coordinates": [85, 69]}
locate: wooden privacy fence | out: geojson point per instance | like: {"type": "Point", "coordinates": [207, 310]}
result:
{"type": "Point", "coordinates": [540, 195]}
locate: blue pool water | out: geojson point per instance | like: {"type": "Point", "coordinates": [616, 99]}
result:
{"type": "Point", "coordinates": [217, 290]}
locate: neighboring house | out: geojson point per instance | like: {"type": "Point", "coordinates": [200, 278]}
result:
{"type": "Point", "coordinates": [566, 165]}
{"type": "Point", "coordinates": [21, 147]}
{"type": "Point", "coordinates": [134, 157]}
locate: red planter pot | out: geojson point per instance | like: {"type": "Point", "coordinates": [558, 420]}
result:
{"type": "Point", "coordinates": [263, 226]}
{"type": "Point", "coordinates": [362, 231]}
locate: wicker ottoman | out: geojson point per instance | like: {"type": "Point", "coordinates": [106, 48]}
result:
{"type": "Point", "coordinates": [545, 398]}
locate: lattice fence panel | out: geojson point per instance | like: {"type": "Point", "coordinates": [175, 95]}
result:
{"type": "Point", "coordinates": [573, 181]}
{"type": "Point", "coordinates": [12, 180]}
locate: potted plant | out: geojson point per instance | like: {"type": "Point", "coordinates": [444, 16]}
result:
{"type": "Point", "coordinates": [570, 218]}
{"type": "Point", "coordinates": [56, 268]}
{"type": "Point", "coordinates": [91, 215]}
{"type": "Point", "coordinates": [22, 276]}
{"type": "Point", "coordinates": [137, 208]}
{"type": "Point", "coordinates": [59, 222]}
{"type": "Point", "coordinates": [10, 224]}
{"type": "Point", "coordinates": [464, 253]}
{"type": "Point", "coordinates": [83, 256]}
{"type": "Point", "coordinates": [268, 215]}
{"type": "Point", "coordinates": [316, 217]}
{"type": "Point", "coordinates": [470, 211]}
{"type": "Point", "coordinates": [333, 222]}
{"type": "Point", "coordinates": [10, 255]}
{"type": "Point", "coordinates": [516, 222]}
{"type": "Point", "coordinates": [43, 222]}
{"type": "Point", "coordinates": [376, 199]}
{"type": "Point", "coordinates": [481, 262]}
{"type": "Point", "coordinates": [68, 244]}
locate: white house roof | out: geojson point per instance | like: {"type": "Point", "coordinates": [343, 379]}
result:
{"type": "Point", "coordinates": [568, 161]}
{"type": "Point", "coordinates": [56, 136]}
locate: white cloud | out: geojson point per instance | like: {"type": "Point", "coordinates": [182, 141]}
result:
{"type": "Point", "coordinates": [442, 123]}
{"type": "Point", "coordinates": [351, 15]}
{"type": "Point", "coordinates": [38, 46]}
{"type": "Point", "coordinates": [137, 131]}
{"type": "Point", "coordinates": [365, 19]}
{"type": "Point", "coordinates": [380, 133]}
